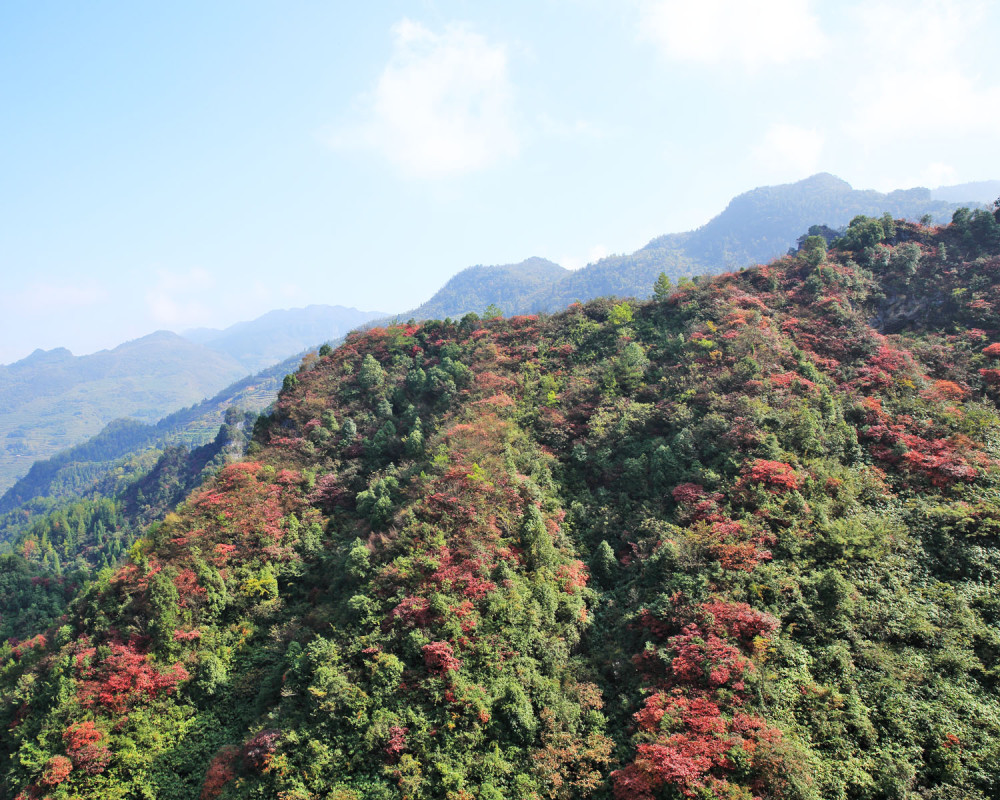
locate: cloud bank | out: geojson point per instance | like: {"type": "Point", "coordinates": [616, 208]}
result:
{"type": "Point", "coordinates": [443, 105]}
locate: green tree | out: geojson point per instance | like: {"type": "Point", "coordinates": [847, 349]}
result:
{"type": "Point", "coordinates": [662, 288]}
{"type": "Point", "coordinates": [813, 250]}
{"type": "Point", "coordinates": [371, 376]}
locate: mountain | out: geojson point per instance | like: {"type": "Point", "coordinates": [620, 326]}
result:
{"type": "Point", "coordinates": [276, 335]}
{"type": "Point", "coordinates": [52, 400]}
{"type": "Point", "coordinates": [985, 192]}
{"type": "Point", "coordinates": [740, 541]}
{"type": "Point", "coordinates": [76, 471]}
{"type": "Point", "coordinates": [754, 228]}
{"type": "Point", "coordinates": [511, 286]}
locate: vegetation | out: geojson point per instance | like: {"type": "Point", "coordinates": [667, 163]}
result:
{"type": "Point", "coordinates": [52, 546]}
{"type": "Point", "coordinates": [737, 542]}
{"type": "Point", "coordinates": [126, 448]}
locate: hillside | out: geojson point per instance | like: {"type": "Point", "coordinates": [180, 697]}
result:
{"type": "Point", "coordinates": [51, 547]}
{"type": "Point", "coordinates": [737, 542]}
{"type": "Point", "coordinates": [511, 286]}
{"type": "Point", "coordinates": [51, 401]}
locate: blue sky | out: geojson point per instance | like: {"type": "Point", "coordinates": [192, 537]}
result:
{"type": "Point", "coordinates": [171, 165]}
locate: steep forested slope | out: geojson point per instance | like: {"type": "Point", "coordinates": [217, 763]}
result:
{"type": "Point", "coordinates": [741, 541]}
{"type": "Point", "coordinates": [51, 548]}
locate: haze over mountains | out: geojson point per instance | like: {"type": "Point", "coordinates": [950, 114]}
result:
{"type": "Point", "coordinates": [52, 400]}
{"type": "Point", "coordinates": [276, 335]}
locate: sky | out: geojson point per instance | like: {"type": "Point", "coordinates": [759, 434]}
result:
{"type": "Point", "coordinates": [183, 164]}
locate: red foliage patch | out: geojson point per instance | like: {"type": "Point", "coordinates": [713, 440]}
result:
{"type": "Point", "coordinates": [991, 376]}
{"type": "Point", "coordinates": [188, 587]}
{"type": "Point", "coordinates": [688, 493]}
{"type": "Point", "coordinates": [440, 658]}
{"type": "Point", "coordinates": [83, 745]}
{"type": "Point", "coordinates": [125, 677]}
{"type": "Point", "coordinates": [775, 475]}
{"type": "Point", "coordinates": [413, 611]}
{"type": "Point", "coordinates": [397, 742]}
{"type": "Point", "coordinates": [258, 751]}
{"type": "Point", "coordinates": [56, 771]}
{"type": "Point", "coordinates": [692, 751]}
{"type": "Point", "coordinates": [219, 773]}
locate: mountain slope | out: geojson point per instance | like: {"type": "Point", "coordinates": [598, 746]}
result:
{"type": "Point", "coordinates": [738, 542]}
{"type": "Point", "coordinates": [511, 286]}
{"type": "Point", "coordinates": [755, 227]}
{"type": "Point", "coordinates": [978, 191]}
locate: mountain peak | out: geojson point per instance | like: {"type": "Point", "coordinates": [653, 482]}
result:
{"type": "Point", "coordinates": [40, 356]}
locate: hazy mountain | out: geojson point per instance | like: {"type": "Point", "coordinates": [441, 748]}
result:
{"type": "Point", "coordinates": [276, 335]}
{"type": "Point", "coordinates": [53, 399]}
{"type": "Point", "coordinates": [509, 286]}
{"type": "Point", "coordinates": [75, 472]}
{"type": "Point", "coordinates": [978, 191]}
{"type": "Point", "coordinates": [755, 227]}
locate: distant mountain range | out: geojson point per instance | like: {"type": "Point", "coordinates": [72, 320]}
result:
{"type": "Point", "coordinates": [52, 400]}
{"type": "Point", "coordinates": [276, 335]}
{"type": "Point", "coordinates": [73, 471]}
{"type": "Point", "coordinates": [754, 228]}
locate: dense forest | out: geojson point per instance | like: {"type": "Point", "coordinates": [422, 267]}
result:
{"type": "Point", "coordinates": [741, 541]}
{"type": "Point", "coordinates": [53, 544]}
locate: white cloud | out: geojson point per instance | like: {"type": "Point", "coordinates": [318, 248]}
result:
{"type": "Point", "coordinates": [578, 129]}
{"type": "Point", "coordinates": [181, 298]}
{"type": "Point", "coordinates": [751, 32]}
{"type": "Point", "coordinates": [935, 175]}
{"type": "Point", "coordinates": [920, 63]}
{"type": "Point", "coordinates": [442, 106]}
{"type": "Point", "coordinates": [789, 151]}
{"type": "Point", "coordinates": [594, 253]}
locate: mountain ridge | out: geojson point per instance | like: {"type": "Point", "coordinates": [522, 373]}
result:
{"type": "Point", "coordinates": [755, 227]}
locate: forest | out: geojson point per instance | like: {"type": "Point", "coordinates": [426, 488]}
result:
{"type": "Point", "coordinates": [739, 541]}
